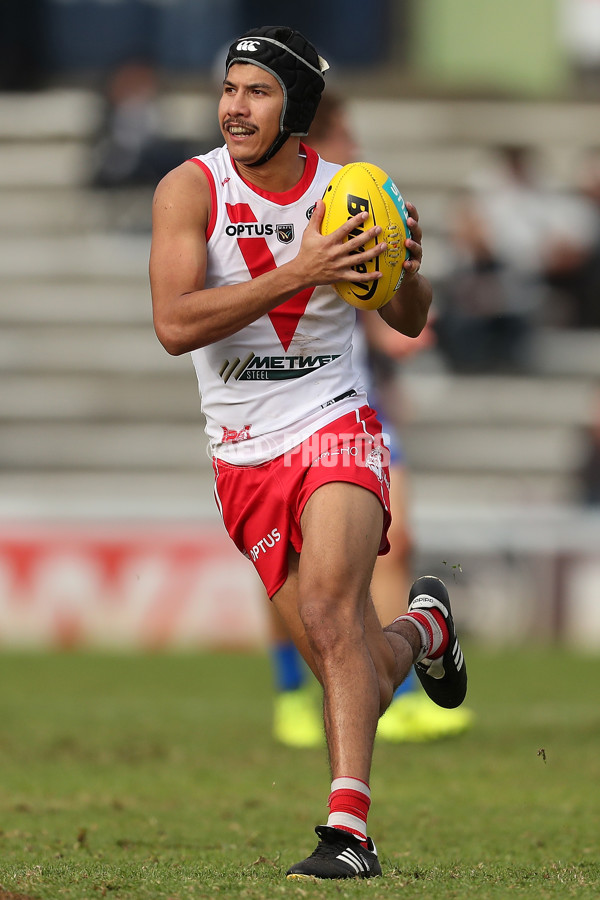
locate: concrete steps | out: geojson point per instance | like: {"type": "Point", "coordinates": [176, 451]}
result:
{"type": "Point", "coordinates": [91, 255]}
{"type": "Point", "coordinates": [96, 417]}
{"type": "Point", "coordinates": [53, 210]}
{"type": "Point", "coordinates": [96, 445]}
{"type": "Point", "coordinates": [111, 300]}
{"type": "Point", "coordinates": [100, 396]}
{"type": "Point", "coordinates": [459, 400]}
{"type": "Point", "coordinates": [494, 440]}
{"type": "Point", "coordinates": [49, 115]}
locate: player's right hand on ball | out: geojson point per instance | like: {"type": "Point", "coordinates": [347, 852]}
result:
{"type": "Point", "coordinates": [326, 259]}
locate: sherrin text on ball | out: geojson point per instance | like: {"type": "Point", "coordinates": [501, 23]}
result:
{"type": "Point", "coordinates": [364, 187]}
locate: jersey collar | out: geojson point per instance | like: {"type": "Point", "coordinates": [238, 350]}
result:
{"type": "Point", "coordinates": [286, 197]}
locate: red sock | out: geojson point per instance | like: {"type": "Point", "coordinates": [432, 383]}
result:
{"type": "Point", "coordinates": [349, 803]}
{"type": "Point", "coordinates": [432, 627]}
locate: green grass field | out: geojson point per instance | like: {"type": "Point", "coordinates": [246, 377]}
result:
{"type": "Point", "coordinates": [156, 777]}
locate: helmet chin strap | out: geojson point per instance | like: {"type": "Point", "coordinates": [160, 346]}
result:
{"type": "Point", "coordinates": [275, 146]}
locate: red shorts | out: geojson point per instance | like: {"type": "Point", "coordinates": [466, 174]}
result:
{"type": "Point", "coordinates": [261, 505]}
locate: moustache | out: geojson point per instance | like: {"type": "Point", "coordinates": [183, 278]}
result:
{"type": "Point", "coordinates": [240, 122]}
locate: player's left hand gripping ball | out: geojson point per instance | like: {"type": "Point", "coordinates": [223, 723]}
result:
{"type": "Point", "coordinates": [363, 187]}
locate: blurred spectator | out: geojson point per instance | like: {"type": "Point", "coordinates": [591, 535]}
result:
{"type": "Point", "coordinates": [504, 231]}
{"type": "Point", "coordinates": [589, 472]}
{"type": "Point", "coordinates": [22, 56]}
{"type": "Point", "coordinates": [132, 150]}
{"type": "Point", "coordinates": [574, 275]}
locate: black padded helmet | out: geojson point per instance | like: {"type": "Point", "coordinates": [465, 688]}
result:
{"type": "Point", "coordinates": [298, 68]}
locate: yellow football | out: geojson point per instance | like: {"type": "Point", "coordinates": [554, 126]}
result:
{"type": "Point", "coordinates": [363, 187]}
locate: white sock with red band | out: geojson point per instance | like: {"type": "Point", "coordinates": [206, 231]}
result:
{"type": "Point", "coordinates": [433, 630]}
{"type": "Point", "coordinates": [349, 803]}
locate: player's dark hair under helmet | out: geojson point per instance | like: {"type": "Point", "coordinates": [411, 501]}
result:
{"type": "Point", "coordinates": [298, 68]}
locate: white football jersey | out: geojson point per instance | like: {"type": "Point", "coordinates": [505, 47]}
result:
{"type": "Point", "coordinates": [272, 384]}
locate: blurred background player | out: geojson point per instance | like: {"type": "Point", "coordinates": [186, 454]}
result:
{"type": "Point", "coordinates": [132, 148]}
{"type": "Point", "coordinates": [412, 716]}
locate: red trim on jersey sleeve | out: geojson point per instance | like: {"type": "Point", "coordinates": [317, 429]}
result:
{"type": "Point", "coordinates": [213, 195]}
{"type": "Point", "coordinates": [286, 197]}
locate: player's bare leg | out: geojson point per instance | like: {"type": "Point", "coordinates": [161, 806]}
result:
{"type": "Point", "coordinates": [357, 663]}
{"type": "Point", "coordinates": [327, 608]}
{"type": "Point", "coordinates": [411, 717]}
{"type": "Point", "coordinates": [334, 623]}
{"type": "Point", "coordinates": [392, 574]}
{"type": "Point", "coordinates": [335, 571]}
{"type": "Point", "coordinates": [297, 721]}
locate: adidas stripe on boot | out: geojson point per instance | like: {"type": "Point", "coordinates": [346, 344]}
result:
{"type": "Point", "coordinates": [444, 679]}
{"type": "Point", "coordinates": [337, 855]}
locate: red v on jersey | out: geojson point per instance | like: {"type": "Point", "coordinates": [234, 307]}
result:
{"type": "Point", "coordinates": [259, 260]}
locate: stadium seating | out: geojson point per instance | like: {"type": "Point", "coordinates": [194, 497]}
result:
{"type": "Point", "coordinates": [94, 409]}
